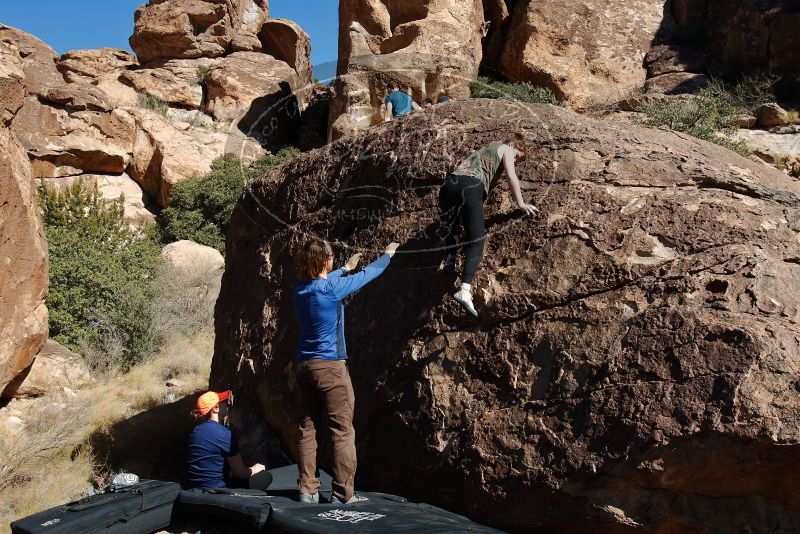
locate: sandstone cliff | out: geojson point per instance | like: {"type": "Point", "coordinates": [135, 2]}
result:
{"type": "Point", "coordinates": [23, 250]}
{"type": "Point", "coordinates": [634, 366]}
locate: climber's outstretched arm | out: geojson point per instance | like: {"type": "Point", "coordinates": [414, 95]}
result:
{"type": "Point", "coordinates": [508, 154]}
{"type": "Point", "coordinates": [387, 117]}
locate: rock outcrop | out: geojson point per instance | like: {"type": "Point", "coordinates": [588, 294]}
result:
{"type": "Point", "coordinates": [23, 253]}
{"type": "Point", "coordinates": [173, 29]}
{"type": "Point", "coordinates": [215, 78]}
{"type": "Point", "coordinates": [55, 368]}
{"type": "Point", "coordinates": [634, 365]}
{"type": "Point", "coordinates": [742, 35]}
{"type": "Point", "coordinates": [432, 47]}
{"type": "Point", "coordinates": [586, 52]}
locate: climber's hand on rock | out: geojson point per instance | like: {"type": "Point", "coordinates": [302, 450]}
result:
{"type": "Point", "coordinates": [529, 209]}
{"type": "Point", "coordinates": [391, 249]}
{"type": "Point", "coordinates": [352, 263]}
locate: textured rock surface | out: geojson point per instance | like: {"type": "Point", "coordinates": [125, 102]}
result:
{"type": "Point", "coordinates": [430, 46]}
{"type": "Point", "coordinates": [286, 41]}
{"type": "Point", "coordinates": [163, 156]}
{"type": "Point", "coordinates": [771, 114]}
{"type": "Point", "coordinates": [586, 51]}
{"type": "Point", "coordinates": [255, 91]}
{"type": "Point", "coordinates": [635, 362]}
{"type": "Point", "coordinates": [195, 271]}
{"type": "Point", "coordinates": [782, 150]}
{"type": "Point", "coordinates": [175, 81]}
{"type": "Point", "coordinates": [61, 142]}
{"type": "Point", "coordinates": [23, 259]}
{"type": "Point", "coordinates": [12, 82]}
{"type": "Point", "coordinates": [743, 34]}
{"type": "Point", "coordinates": [676, 83]}
{"type": "Point", "coordinates": [167, 29]}
{"type": "Point", "coordinates": [89, 65]}
{"type": "Point", "coordinates": [38, 59]}
{"type": "Point", "coordinates": [55, 367]}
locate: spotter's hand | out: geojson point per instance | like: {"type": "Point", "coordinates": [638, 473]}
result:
{"type": "Point", "coordinates": [352, 263]}
{"type": "Point", "coordinates": [391, 249]}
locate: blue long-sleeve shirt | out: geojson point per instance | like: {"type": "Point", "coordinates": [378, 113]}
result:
{"type": "Point", "coordinates": [318, 304]}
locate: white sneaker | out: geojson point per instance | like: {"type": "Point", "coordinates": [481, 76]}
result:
{"type": "Point", "coordinates": [354, 499]}
{"type": "Point", "coordinates": [307, 498]}
{"type": "Point", "coordinates": [465, 299]}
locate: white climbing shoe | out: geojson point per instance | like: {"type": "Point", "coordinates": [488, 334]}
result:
{"type": "Point", "coordinates": [464, 298]}
{"type": "Point", "coordinates": [354, 499]}
{"type": "Point", "coordinates": [309, 498]}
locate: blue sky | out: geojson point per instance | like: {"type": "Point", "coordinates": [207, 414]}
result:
{"type": "Point", "coordinates": [75, 24]}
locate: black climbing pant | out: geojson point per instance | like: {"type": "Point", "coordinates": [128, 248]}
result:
{"type": "Point", "coordinates": [461, 200]}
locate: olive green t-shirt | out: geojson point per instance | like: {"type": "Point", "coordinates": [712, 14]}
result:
{"type": "Point", "coordinates": [483, 164]}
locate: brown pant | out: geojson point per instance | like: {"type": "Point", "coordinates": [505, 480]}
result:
{"type": "Point", "coordinates": [325, 389]}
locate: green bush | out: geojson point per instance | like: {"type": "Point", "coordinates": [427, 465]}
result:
{"type": "Point", "coordinates": [751, 91]}
{"type": "Point", "coordinates": [148, 101]}
{"type": "Point", "coordinates": [101, 273]}
{"type": "Point", "coordinates": [710, 115]}
{"type": "Point", "coordinates": [201, 72]}
{"type": "Point", "coordinates": [487, 88]}
{"type": "Point", "coordinates": [200, 209]}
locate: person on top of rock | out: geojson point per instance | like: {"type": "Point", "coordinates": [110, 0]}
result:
{"type": "Point", "coordinates": [214, 460]}
{"type": "Point", "coordinates": [323, 379]}
{"type": "Point", "coordinates": [461, 198]}
{"type": "Point", "coordinates": [398, 103]}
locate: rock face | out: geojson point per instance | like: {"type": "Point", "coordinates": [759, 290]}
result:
{"type": "Point", "coordinates": [634, 365]}
{"type": "Point", "coordinates": [195, 272]}
{"type": "Point", "coordinates": [37, 58]}
{"type": "Point", "coordinates": [431, 47]}
{"type": "Point", "coordinates": [257, 93]}
{"type": "Point", "coordinates": [23, 253]}
{"type": "Point", "coordinates": [286, 41]}
{"type": "Point", "coordinates": [743, 35]}
{"type": "Point", "coordinates": [89, 65]}
{"type": "Point", "coordinates": [585, 51]}
{"type": "Point", "coordinates": [56, 367]}
{"type": "Point", "coordinates": [163, 156]}
{"type": "Point", "coordinates": [178, 29]}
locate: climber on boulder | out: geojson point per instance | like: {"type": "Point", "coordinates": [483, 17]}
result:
{"type": "Point", "coordinates": [398, 103]}
{"type": "Point", "coordinates": [214, 460]}
{"type": "Point", "coordinates": [461, 199]}
{"type": "Point", "coordinates": [323, 379]}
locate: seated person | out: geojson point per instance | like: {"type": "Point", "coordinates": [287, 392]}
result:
{"type": "Point", "coordinates": [398, 103]}
{"type": "Point", "coordinates": [214, 460]}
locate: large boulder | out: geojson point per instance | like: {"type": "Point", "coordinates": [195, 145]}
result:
{"type": "Point", "coordinates": [89, 65]}
{"type": "Point", "coordinates": [177, 82]}
{"type": "Point", "coordinates": [431, 47]}
{"type": "Point", "coordinates": [194, 273]}
{"type": "Point", "coordinates": [67, 141]}
{"type": "Point", "coordinates": [585, 51]}
{"type": "Point", "coordinates": [38, 59]}
{"type": "Point", "coordinates": [286, 41]}
{"type": "Point", "coordinates": [163, 156]}
{"type": "Point", "coordinates": [176, 29]}
{"type": "Point", "coordinates": [256, 92]}
{"type": "Point", "coordinates": [23, 254]}
{"type": "Point", "coordinates": [55, 368]}
{"type": "Point", "coordinates": [634, 363]}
